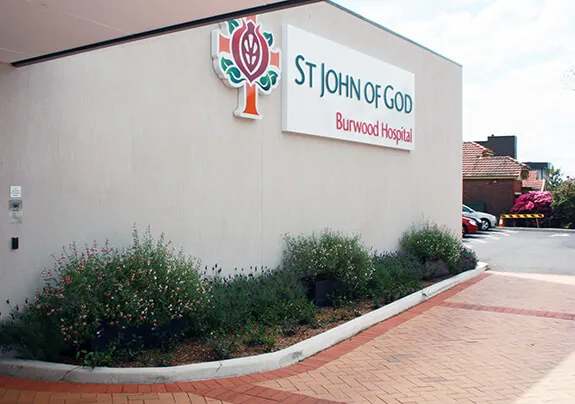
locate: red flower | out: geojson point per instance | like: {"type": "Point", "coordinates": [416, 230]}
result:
{"type": "Point", "coordinates": [68, 280]}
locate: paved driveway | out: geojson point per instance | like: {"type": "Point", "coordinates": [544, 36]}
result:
{"type": "Point", "coordinates": [500, 338]}
{"type": "Point", "coordinates": [535, 251]}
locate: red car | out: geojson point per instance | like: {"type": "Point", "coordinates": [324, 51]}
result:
{"type": "Point", "coordinates": [468, 226]}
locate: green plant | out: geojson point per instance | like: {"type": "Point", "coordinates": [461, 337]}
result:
{"type": "Point", "coordinates": [95, 358]}
{"type": "Point", "coordinates": [564, 203]}
{"type": "Point", "coordinates": [330, 255]}
{"type": "Point", "coordinates": [304, 312]}
{"type": "Point", "coordinates": [31, 333]}
{"type": "Point", "coordinates": [467, 260]}
{"type": "Point", "coordinates": [402, 265]}
{"type": "Point", "coordinates": [155, 358]}
{"type": "Point", "coordinates": [289, 330]}
{"type": "Point", "coordinates": [554, 178]}
{"type": "Point", "coordinates": [432, 242]}
{"type": "Point", "coordinates": [101, 288]}
{"type": "Point", "coordinates": [263, 296]}
{"type": "Point", "coordinates": [224, 346]}
{"type": "Point", "coordinates": [396, 275]}
{"type": "Point", "coordinates": [260, 336]}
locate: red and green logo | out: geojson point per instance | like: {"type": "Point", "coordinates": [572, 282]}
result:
{"type": "Point", "coordinates": [245, 57]}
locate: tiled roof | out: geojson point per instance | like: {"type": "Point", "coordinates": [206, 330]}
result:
{"type": "Point", "coordinates": [533, 183]}
{"type": "Point", "coordinates": [479, 161]}
{"type": "Point", "coordinates": [472, 149]}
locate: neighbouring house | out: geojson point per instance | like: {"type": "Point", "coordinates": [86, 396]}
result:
{"type": "Point", "coordinates": [491, 183]}
{"type": "Point", "coordinates": [501, 145]}
{"type": "Point", "coordinates": [540, 168]}
{"type": "Point", "coordinates": [533, 182]}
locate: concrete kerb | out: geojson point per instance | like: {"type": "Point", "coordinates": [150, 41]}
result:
{"type": "Point", "coordinates": [546, 229]}
{"type": "Point", "coordinates": [57, 372]}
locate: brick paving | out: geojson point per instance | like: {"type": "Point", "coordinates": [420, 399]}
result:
{"type": "Point", "coordinates": [501, 338]}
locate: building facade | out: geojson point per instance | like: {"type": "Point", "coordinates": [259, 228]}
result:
{"type": "Point", "coordinates": [145, 133]}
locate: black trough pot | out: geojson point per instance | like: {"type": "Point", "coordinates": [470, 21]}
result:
{"type": "Point", "coordinates": [322, 290]}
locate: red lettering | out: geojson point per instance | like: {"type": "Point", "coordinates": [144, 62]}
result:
{"type": "Point", "coordinates": [338, 120]}
{"type": "Point", "coordinates": [373, 129]}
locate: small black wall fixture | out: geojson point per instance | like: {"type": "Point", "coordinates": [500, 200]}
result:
{"type": "Point", "coordinates": [15, 243]}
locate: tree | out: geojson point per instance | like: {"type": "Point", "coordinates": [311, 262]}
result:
{"type": "Point", "coordinates": [564, 203]}
{"type": "Point", "coordinates": [554, 177]}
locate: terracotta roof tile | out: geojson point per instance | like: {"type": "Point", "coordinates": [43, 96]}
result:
{"type": "Point", "coordinates": [472, 149]}
{"type": "Point", "coordinates": [533, 183]}
{"type": "Point", "coordinates": [479, 161]}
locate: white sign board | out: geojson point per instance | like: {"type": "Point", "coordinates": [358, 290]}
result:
{"type": "Point", "coordinates": [15, 191]}
{"type": "Point", "coordinates": [333, 91]}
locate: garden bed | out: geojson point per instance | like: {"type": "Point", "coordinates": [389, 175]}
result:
{"type": "Point", "coordinates": [228, 368]}
{"type": "Point", "coordinates": [193, 350]}
{"type": "Point", "coordinates": [148, 306]}
{"type": "Point", "coordinates": [198, 350]}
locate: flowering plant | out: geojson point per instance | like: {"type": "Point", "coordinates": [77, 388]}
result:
{"type": "Point", "coordinates": [148, 283]}
{"type": "Point", "coordinates": [432, 242]}
{"type": "Point", "coordinates": [533, 202]}
{"type": "Point", "coordinates": [332, 255]}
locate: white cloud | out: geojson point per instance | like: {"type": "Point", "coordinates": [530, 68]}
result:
{"type": "Point", "coordinates": [514, 53]}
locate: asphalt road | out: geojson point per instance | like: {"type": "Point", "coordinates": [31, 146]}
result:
{"type": "Point", "coordinates": [535, 251]}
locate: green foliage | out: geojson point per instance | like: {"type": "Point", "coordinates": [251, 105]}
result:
{"type": "Point", "coordinates": [260, 336]}
{"type": "Point", "coordinates": [262, 296]}
{"type": "Point", "coordinates": [155, 358]}
{"type": "Point", "coordinates": [148, 283]}
{"type": "Point", "coordinates": [432, 242]}
{"type": "Point", "coordinates": [554, 178]}
{"type": "Point", "coordinates": [224, 346]}
{"type": "Point", "coordinates": [330, 255]}
{"type": "Point", "coordinates": [396, 275]}
{"type": "Point", "coordinates": [31, 333]}
{"type": "Point", "coordinates": [564, 203]}
{"type": "Point", "coordinates": [100, 302]}
{"type": "Point", "coordinates": [95, 358]}
{"type": "Point", "coordinates": [467, 260]}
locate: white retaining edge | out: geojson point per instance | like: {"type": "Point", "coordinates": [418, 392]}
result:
{"type": "Point", "coordinates": [543, 229]}
{"type": "Point", "coordinates": [57, 372]}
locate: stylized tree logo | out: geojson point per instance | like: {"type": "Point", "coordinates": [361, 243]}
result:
{"type": "Point", "coordinates": [244, 57]}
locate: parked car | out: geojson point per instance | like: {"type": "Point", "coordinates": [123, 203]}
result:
{"type": "Point", "coordinates": [485, 220]}
{"type": "Point", "coordinates": [468, 226]}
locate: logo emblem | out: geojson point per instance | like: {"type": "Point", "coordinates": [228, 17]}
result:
{"type": "Point", "coordinates": [244, 57]}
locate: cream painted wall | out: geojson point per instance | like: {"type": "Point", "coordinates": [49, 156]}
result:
{"type": "Point", "coordinates": [145, 133]}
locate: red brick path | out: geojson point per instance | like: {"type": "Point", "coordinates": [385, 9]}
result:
{"type": "Point", "coordinates": [455, 348]}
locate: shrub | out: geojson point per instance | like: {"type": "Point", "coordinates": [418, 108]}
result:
{"type": "Point", "coordinates": [224, 346]}
{"type": "Point", "coordinates": [396, 275]}
{"type": "Point", "coordinates": [564, 203]}
{"type": "Point", "coordinates": [467, 260]}
{"type": "Point", "coordinates": [31, 333]}
{"type": "Point", "coordinates": [261, 336]}
{"type": "Point", "coordinates": [402, 265]}
{"type": "Point", "coordinates": [532, 202]}
{"type": "Point", "coordinates": [145, 285]}
{"type": "Point", "coordinates": [432, 242]}
{"type": "Point", "coordinates": [330, 255]}
{"type": "Point", "coordinates": [268, 297]}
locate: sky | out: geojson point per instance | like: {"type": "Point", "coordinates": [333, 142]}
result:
{"type": "Point", "coordinates": [516, 57]}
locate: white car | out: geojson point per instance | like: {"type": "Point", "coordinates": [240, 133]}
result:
{"type": "Point", "coordinates": [485, 220]}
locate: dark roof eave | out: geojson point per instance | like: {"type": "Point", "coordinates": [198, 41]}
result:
{"type": "Point", "coordinates": [267, 8]}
